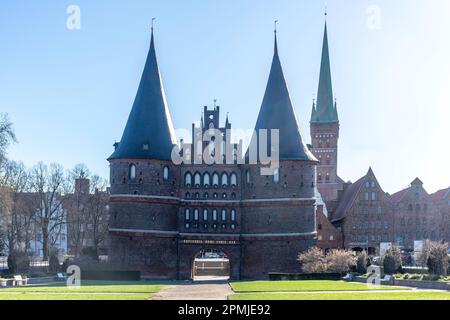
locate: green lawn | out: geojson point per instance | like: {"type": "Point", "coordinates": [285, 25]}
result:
{"type": "Point", "coordinates": [420, 295]}
{"type": "Point", "coordinates": [89, 290]}
{"type": "Point", "coordinates": [307, 285]}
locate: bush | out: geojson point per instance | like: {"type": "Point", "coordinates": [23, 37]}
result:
{"type": "Point", "coordinates": [313, 261]}
{"type": "Point", "coordinates": [392, 260]}
{"type": "Point", "coordinates": [362, 262]}
{"type": "Point", "coordinates": [18, 262]}
{"type": "Point", "coordinates": [438, 259]}
{"type": "Point", "coordinates": [340, 261]}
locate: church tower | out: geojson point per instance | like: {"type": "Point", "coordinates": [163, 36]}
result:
{"type": "Point", "coordinates": [325, 130]}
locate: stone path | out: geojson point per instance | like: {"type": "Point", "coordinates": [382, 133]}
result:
{"type": "Point", "coordinates": [199, 290]}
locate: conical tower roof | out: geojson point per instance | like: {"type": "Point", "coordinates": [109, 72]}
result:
{"type": "Point", "coordinates": [277, 112]}
{"type": "Point", "coordinates": [149, 132]}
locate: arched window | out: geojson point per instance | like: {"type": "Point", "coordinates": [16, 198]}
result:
{"type": "Point", "coordinates": [319, 177]}
{"type": "Point", "coordinates": [188, 195]}
{"type": "Point", "coordinates": [166, 173]}
{"type": "Point", "coordinates": [197, 179]}
{"type": "Point", "coordinates": [216, 180]}
{"type": "Point", "coordinates": [247, 176]}
{"type": "Point", "coordinates": [215, 195]}
{"type": "Point", "coordinates": [188, 179]}
{"type": "Point", "coordinates": [233, 180]}
{"type": "Point", "coordinates": [374, 196]}
{"type": "Point", "coordinates": [205, 214]}
{"type": "Point", "coordinates": [197, 195]}
{"type": "Point", "coordinates": [224, 195]}
{"type": "Point", "coordinates": [132, 172]}
{"type": "Point", "coordinates": [327, 177]}
{"type": "Point", "coordinates": [276, 176]}
{"type": "Point", "coordinates": [233, 215]}
{"type": "Point", "coordinates": [214, 215]}
{"type": "Point", "coordinates": [224, 215]}
{"type": "Point", "coordinates": [206, 181]}
{"type": "Point", "coordinates": [187, 214]}
{"type": "Point", "coordinates": [206, 195]}
{"type": "Point", "coordinates": [224, 179]}
{"type": "Point", "coordinates": [196, 214]}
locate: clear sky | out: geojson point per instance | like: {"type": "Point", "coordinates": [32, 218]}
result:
{"type": "Point", "coordinates": [69, 92]}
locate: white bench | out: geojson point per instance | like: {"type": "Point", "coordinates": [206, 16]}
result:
{"type": "Point", "coordinates": [18, 280]}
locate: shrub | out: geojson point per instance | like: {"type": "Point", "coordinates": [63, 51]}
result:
{"type": "Point", "coordinates": [340, 261]}
{"type": "Point", "coordinates": [18, 262]}
{"type": "Point", "coordinates": [438, 259]}
{"type": "Point", "coordinates": [313, 261]}
{"type": "Point", "coordinates": [392, 260]}
{"type": "Point", "coordinates": [362, 262]}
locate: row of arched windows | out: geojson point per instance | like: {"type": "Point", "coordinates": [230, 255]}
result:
{"type": "Point", "coordinates": [209, 215]}
{"type": "Point", "coordinates": [206, 180]}
{"type": "Point", "coordinates": [215, 195]}
{"type": "Point", "coordinates": [132, 172]}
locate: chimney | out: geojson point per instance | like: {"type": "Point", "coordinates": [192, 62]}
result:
{"type": "Point", "coordinates": [82, 186]}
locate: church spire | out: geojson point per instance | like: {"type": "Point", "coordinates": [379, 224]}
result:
{"type": "Point", "coordinates": [149, 132]}
{"type": "Point", "coordinates": [325, 110]}
{"type": "Point", "coordinates": [277, 112]}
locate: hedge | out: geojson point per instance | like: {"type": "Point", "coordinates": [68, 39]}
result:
{"type": "Point", "coordinates": [304, 276]}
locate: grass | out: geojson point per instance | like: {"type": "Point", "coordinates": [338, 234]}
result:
{"type": "Point", "coordinates": [89, 290]}
{"type": "Point", "coordinates": [307, 285]}
{"type": "Point", "coordinates": [420, 295]}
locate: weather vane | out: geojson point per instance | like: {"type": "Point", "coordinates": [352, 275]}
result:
{"type": "Point", "coordinates": [275, 23]}
{"type": "Point", "coordinates": [153, 20]}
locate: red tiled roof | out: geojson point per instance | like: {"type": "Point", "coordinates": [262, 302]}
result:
{"type": "Point", "coordinates": [347, 199]}
{"type": "Point", "coordinates": [396, 197]}
{"type": "Point", "coordinates": [440, 195]}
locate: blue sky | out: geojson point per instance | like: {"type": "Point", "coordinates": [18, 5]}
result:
{"type": "Point", "coordinates": [69, 92]}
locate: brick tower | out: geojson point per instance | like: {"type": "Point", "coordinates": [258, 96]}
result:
{"type": "Point", "coordinates": [324, 127]}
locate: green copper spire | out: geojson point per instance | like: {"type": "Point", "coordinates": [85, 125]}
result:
{"type": "Point", "coordinates": [325, 110]}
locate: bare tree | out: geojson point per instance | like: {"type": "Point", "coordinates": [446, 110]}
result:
{"type": "Point", "coordinates": [98, 213]}
{"type": "Point", "coordinates": [18, 216]}
{"type": "Point", "coordinates": [50, 184]}
{"type": "Point", "coordinates": [7, 135]}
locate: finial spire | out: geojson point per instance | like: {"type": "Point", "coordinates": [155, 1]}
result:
{"type": "Point", "coordinates": [275, 26]}
{"type": "Point", "coordinates": [153, 20]}
{"type": "Point", "coordinates": [275, 31]}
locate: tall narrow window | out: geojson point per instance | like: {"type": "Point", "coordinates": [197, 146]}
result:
{"type": "Point", "coordinates": [366, 196]}
{"type": "Point", "coordinates": [187, 214]}
{"type": "Point", "coordinates": [247, 175]}
{"type": "Point", "coordinates": [233, 180]}
{"type": "Point", "coordinates": [374, 196]}
{"type": "Point", "coordinates": [215, 180]}
{"type": "Point", "coordinates": [206, 181]}
{"type": "Point", "coordinates": [276, 176]}
{"type": "Point", "coordinates": [224, 179]}
{"type": "Point", "coordinates": [214, 215]}
{"type": "Point", "coordinates": [132, 174]}
{"type": "Point", "coordinates": [233, 215]}
{"type": "Point", "coordinates": [166, 173]}
{"type": "Point", "coordinates": [188, 179]}
{"type": "Point", "coordinates": [197, 179]}
{"type": "Point", "coordinates": [205, 214]}
{"type": "Point", "coordinates": [196, 214]}
{"type": "Point", "coordinates": [224, 215]}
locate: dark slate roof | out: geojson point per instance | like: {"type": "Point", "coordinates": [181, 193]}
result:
{"type": "Point", "coordinates": [149, 133]}
{"type": "Point", "coordinates": [325, 111]}
{"type": "Point", "coordinates": [277, 112]}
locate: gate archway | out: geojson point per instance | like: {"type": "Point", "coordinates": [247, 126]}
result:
{"type": "Point", "coordinates": [210, 264]}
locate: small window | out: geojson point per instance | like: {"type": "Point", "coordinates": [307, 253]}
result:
{"type": "Point", "coordinates": [233, 215]}
{"type": "Point", "coordinates": [132, 174]}
{"type": "Point", "coordinates": [247, 174]}
{"type": "Point", "coordinates": [196, 214]}
{"type": "Point", "coordinates": [374, 196]}
{"type": "Point", "coordinates": [197, 180]}
{"type": "Point", "coordinates": [187, 214]}
{"type": "Point", "coordinates": [224, 215]}
{"type": "Point", "coordinates": [188, 179]}
{"type": "Point", "coordinates": [224, 180]}
{"type": "Point", "coordinates": [205, 215]}
{"type": "Point", "coordinates": [233, 180]}
{"type": "Point", "coordinates": [206, 181]}
{"type": "Point", "coordinates": [276, 176]}
{"type": "Point", "coordinates": [214, 215]}
{"type": "Point", "coordinates": [166, 173]}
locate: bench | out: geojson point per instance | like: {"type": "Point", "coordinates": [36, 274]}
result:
{"type": "Point", "coordinates": [19, 280]}
{"type": "Point", "coordinates": [60, 277]}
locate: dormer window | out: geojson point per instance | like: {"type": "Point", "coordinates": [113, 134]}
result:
{"type": "Point", "coordinates": [132, 172]}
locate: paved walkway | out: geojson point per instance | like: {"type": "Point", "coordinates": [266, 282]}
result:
{"type": "Point", "coordinates": [197, 290]}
